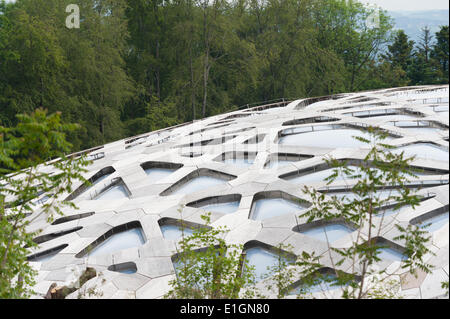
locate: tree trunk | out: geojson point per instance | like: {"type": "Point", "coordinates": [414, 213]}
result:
{"type": "Point", "coordinates": [192, 81]}
{"type": "Point", "coordinates": [206, 65]}
{"type": "Point", "coordinates": [205, 83]}
{"type": "Point", "coordinates": [157, 73]}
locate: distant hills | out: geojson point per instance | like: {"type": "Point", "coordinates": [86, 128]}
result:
{"type": "Point", "coordinates": [413, 21]}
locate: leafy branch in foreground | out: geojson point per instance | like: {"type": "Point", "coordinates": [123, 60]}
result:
{"type": "Point", "coordinates": [279, 276]}
{"type": "Point", "coordinates": [209, 268]}
{"type": "Point", "coordinates": [35, 140]}
{"type": "Point", "coordinates": [381, 180]}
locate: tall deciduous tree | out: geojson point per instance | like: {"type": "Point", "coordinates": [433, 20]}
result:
{"type": "Point", "coordinates": [343, 27]}
{"type": "Point", "coordinates": [133, 60]}
{"type": "Point", "coordinates": [78, 71]}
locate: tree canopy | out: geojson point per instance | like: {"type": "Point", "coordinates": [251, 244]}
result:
{"type": "Point", "coordinates": [134, 66]}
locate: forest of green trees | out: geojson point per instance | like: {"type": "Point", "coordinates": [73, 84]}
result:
{"type": "Point", "coordinates": [135, 66]}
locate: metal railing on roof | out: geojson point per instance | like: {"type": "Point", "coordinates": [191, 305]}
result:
{"type": "Point", "coordinates": [266, 104]}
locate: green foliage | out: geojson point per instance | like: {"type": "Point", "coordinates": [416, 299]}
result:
{"type": "Point", "coordinates": [208, 267]}
{"type": "Point", "coordinates": [440, 53]}
{"type": "Point", "coordinates": [342, 28]}
{"type": "Point", "coordinates": [80, 72]}
{"type": "Point", "coordinates": [424, 69]}
{"type": "Point", "coordinates": [381, 170]}
{"type": "Point", "coordinates": [37, 138]}
{"type": "Point", "coordinates": [280, 275]}
{"type": "Point", "coordinates": [136, 65]}
{"type": "Point", "coordinates": [444, 285]}
{"type": "Point", "coordinates": [419, 64]}
{"type": "Point", "coordinates": [400, 52]}
{"type": "Point", "coordinates": [156, 115]}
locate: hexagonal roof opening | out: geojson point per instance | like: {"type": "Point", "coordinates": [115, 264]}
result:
{"type": "Point", "coordinates": [272, 204]}
{"type": "Point", "coordinates": [198, 180]}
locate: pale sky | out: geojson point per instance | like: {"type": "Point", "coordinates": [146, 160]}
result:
{"type": "Point", "coordinates": [409, 5]}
